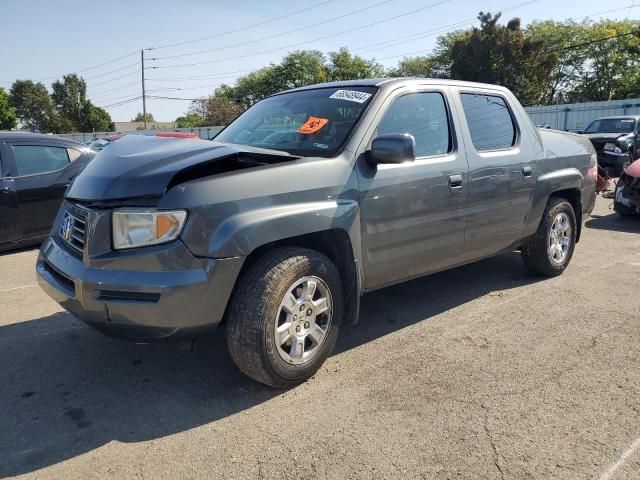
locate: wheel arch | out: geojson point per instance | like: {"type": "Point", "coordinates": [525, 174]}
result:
{"type": "Point", "coordinates": [335, 244]}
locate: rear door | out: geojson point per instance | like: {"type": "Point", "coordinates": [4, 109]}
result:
{"type": "Point", "coordinates": [42, 172]}
{"type": "Point", "coordinates": [413, 214]}
{"type": "Point", "coordinates": [501, 172]}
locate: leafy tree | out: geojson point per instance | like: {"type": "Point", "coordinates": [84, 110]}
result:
{"type": "Point", "coordinates": [344, 66]}
{"type": "Point", "coordinates": [70, 98]}
{"type": "Point", "coordinates": [96, 119]}
{"type": "Point", "coordinates": [33, 105]}
{"type": "Point", "coordinates": [140, 117]}
{"type": "Point", "coordinates": [613, 65]}
{"type": "Point", "coordinates": [190, 120]}
{"type": "Point", "coordinates": [8, 117]}
{"type": "Point", "coordinates": [214, 111]}
{"type": "Point", "coordinates": [503, 55]}
{"type": "Point", "coordinates": [423, 66]}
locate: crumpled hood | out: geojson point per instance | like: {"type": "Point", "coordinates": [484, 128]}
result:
{"type": "Point", "coordinates": [143, 166]}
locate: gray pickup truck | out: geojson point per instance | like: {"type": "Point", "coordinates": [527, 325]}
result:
{"type": "Point", "coordinates": [308, 200]}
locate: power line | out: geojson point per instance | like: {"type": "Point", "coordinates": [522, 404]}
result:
{"type": "Point", "coordinates": [201, 77]}
{"type": "Point", "coordinates": [53, 77]}
{"type": "Point", "coordinates": [426, 33]}
{"type": "Point", "coordinates": [584, 44]}
{"type": "Point", "coordinates": [117, 78]}
{"type": "Point", "coordinates": [112, 90]}
{"type": "Point", "coordinates": [306, 41]}
{"type": "Point", "coordinates": [113, 71]}
{"type": "Point", "coordinates": [124, 102]}
{"type": "Point", "coordinates": [156, 97]}
{"type": "Point", "coordinates": [269, 37]}
{"type": "Point", "coordinates": [241, 29]}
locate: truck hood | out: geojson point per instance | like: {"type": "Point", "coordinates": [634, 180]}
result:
{"type": "Point", "coordinates": [147, 166]}
{"type": "Point", "coordinates": [604, 137]}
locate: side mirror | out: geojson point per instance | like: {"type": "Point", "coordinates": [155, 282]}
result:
{"type": "Point", "coordinates": [392, 148]}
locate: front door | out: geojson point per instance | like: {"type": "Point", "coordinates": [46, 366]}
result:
{"type": "Point", "coordinates": [413, 214]}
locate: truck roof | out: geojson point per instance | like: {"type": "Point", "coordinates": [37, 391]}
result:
{"type": "Point", "coordinates": [389, 82]}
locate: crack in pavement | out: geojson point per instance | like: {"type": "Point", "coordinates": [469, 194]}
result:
{"type": "Point", "coordinates": [487, 431]}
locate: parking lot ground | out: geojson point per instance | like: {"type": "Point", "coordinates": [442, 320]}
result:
{"type": "Point", "coordinates": [479, 372]}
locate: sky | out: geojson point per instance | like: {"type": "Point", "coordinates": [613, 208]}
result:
{"type": "Point", "coordinates": [42, 39]}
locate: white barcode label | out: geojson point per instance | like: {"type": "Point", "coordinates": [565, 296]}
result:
{"type": "Point", "coordinates": [351, 96]}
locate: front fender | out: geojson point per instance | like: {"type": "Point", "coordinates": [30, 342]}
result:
{"type": "Point", "coordinates": [546, 185]}
{"type": "Point", "coordinates": [241, 233]}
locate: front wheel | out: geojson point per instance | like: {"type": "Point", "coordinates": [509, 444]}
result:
{"type": "Point", "coordinates": [550, 250]}
{"type": "Point", "coordinates": [284, 316]}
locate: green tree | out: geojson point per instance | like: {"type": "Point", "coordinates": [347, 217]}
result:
{"type": "Point", "coordinates": [345, 66]}
{"type": "Point", "coordinates": [423, 66]}
{"type": "Point", "coordinates": [214, 111]}
{"type": "Point", "coordinates": [190, 120]}
{"type": "Point", "coordinates": [140, 117]}
{"type": "Point", "coordinates": [8, 117]}
{"type": "Point", "coordinates": [503, 55]}
{"type": "Point", "coordinates": [33, 106]}
{"type": "Point", "coordinates": [70, 98]}
{"type": "Point", "coordinates": [95, 119]}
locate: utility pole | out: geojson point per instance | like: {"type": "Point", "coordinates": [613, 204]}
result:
{"type": "Point", "coordinates": [144, 97]}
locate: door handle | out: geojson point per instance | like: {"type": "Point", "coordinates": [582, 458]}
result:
{"type": "Point", "coordinates": [455, 183]}
{"type": "Point", "coordinates": [4, 189]}
{"type": "Point", "coordinates": [526, 172]}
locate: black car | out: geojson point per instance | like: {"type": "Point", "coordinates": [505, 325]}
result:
{"type": "Point", "coordinates": [616, 140]}
{"type": "Point", "coordinates": [35, 171]}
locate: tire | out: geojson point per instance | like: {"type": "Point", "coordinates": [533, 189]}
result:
{"type": "Point", "coordinates": [537, 253]}
{"type": "Point", "coordinates": [258, 308]}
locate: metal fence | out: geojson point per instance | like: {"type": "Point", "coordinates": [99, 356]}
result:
{"type": "Point", "coordinates": [206, 133]}
{"type": "Point", "coordinates": [577, 116]}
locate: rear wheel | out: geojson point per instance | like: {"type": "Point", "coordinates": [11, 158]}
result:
{"type": "Point", "coordinates": [550, 250]}
{"type": "Point", "coordinates": [284, 317]}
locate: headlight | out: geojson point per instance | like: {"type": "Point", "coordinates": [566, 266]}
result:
{"type": "Point", "coordinates": [139, 228]}
{"type": "Point", "coordinates": [617, 150]}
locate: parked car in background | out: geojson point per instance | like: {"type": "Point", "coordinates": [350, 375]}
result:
{"type": "Point", "coordinates": [35, 171]}
{"type": "Point", "coordinates": [627, 193]}
{"type": "Point", "coordinates": [616, 140]}
{"type": "Point", "coordinates": [306, 201]}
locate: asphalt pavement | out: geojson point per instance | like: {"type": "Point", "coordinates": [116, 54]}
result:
{"type": "Point", "coordinates": [481, 372]}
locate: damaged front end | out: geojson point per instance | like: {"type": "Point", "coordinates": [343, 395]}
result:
{"type": "Point", "coordinates": [627, 193]}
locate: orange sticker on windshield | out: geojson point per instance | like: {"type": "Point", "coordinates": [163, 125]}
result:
{"type": "Point", "coordinates": [312, 125]}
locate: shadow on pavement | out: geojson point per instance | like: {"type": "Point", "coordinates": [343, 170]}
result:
{"type": "Point", "coordinates": [614, 222]}
{"type": "Point", "coordinates": [67, 390]}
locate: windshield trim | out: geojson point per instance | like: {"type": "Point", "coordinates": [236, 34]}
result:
{"type": "Point", "coordinates": [303, 153]}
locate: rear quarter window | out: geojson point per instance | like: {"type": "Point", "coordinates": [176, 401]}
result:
{"type": "Point", "coordinates": [490, 122]}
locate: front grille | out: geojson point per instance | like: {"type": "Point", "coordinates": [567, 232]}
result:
{"type": "Point", "coordinates": [73, 229]}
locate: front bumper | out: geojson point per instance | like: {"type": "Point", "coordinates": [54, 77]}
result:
{"type": "Point", "coordinates": [607, 158]}
{"type": "Point", "coordinates": [148, 294]}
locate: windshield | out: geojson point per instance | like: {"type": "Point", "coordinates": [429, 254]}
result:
{"type": "Point", "coordinates": [308, 123]}
{"type": "Point", "coordinates": [611, 125]}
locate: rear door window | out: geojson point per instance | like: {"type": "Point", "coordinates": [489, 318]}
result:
{"type": "Point", "coordinates": [423, 115]}
{"type": "Point", "coordinates": [39, 159]}
{"type": "Point", "coordinates": [490, 122]}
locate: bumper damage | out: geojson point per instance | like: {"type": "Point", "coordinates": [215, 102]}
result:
{"type": "Point", "coordinates": [158, 301]}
